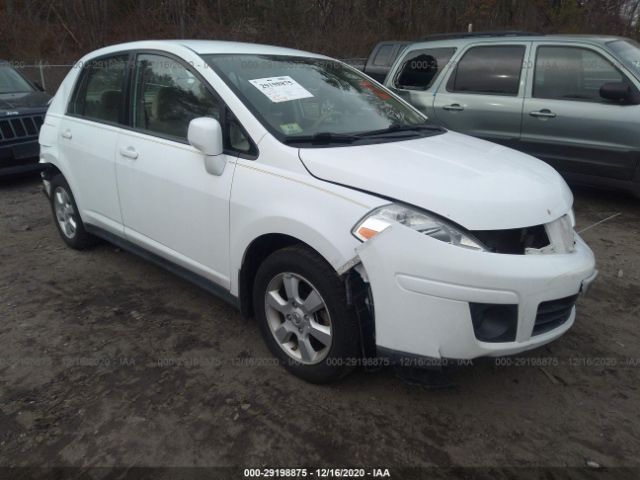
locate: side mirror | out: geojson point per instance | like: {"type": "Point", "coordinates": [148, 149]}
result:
{"type": "Point", "coordinates": [619, 92]}
{"type": "Point", "coordinates": [205, 134]}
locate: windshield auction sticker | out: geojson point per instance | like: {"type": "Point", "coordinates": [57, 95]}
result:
{"type": "Point", "coordinates": [280, 89]}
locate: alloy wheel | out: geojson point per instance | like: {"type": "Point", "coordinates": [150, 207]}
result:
{"type": "Point", "coordinates": [298, 318]}
{"type": "Point", "coordinates": [65, 213]}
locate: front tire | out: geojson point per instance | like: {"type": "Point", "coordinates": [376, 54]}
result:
{"type": "Point", "coordinates": [303, 315]}
{"type": "Point", "coordinates": [67, 217]}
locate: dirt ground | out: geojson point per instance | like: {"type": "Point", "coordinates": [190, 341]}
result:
{"type": "Point", "coordinates": [107, 360]}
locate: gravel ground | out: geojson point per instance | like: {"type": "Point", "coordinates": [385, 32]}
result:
{"type": "Point", "coordinates": [107, 360]}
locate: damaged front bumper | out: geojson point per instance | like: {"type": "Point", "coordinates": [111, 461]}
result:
{"type": "Point", "coordinates": [438, 301]}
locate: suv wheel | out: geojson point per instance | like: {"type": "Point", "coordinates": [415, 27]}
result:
{"type": "Point", "coordinates": [66, 216]}
{"type": "Point", "coordinates": [302, 310]}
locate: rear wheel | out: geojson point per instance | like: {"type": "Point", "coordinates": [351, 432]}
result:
{"type": "Point", "coordinates": [302, 310]}
{"type": "Point", "coordinates": [66, 216]}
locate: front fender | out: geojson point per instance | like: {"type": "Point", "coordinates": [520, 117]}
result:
{"type": "Point", "coordinates": [314, 212]}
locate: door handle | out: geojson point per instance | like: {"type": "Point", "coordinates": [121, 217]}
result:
{"type": "Point", "coordinates": [129, 152]}
{"type": "Point", "coordinates": [544, 113]}
{"type": "Point", "coordinates": [454, 107]}
{"type": "Point", "coordinates": [66, 134]}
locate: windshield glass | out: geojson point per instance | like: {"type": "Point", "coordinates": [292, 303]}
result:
{"type": "Point", "coordinates": [301, 98]}
{"type": "Point", "coordinates": [628, 51]}
{"type": "Point", "coordinates": [12, 82]}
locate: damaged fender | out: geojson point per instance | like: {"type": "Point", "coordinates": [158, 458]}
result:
{"type": "Point", "coordinates": [375, 259]}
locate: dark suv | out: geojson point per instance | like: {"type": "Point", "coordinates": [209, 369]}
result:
{"type": "Point", "coordinates": [22, 108]}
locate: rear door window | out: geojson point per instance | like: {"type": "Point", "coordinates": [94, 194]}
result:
{"type": "Point", "coordinates": [572, 73]}
{"type": "Point", "coordinates": [489, 70]}
{"type": "Point", "coordinates": [99, 91]}
{"type": "Point", "coordinates": [421, 67]}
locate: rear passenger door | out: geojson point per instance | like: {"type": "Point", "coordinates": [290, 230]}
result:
{"type": "Point", "coordinates": [568, 124]}
{"type": "Point", "coordinates": [482, 95]}
{"type": "Point", "coordinates": [88, 134]}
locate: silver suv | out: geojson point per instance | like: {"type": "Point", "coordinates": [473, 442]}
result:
{"type": "Point", "coordinates": [573, 101]}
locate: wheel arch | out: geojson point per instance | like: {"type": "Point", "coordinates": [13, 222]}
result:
{"type": "Point", "coordinates": [255, 253]}
{"type": "Point", "coordinates": [357, 290]}
{"type": "Point", "coordinates": [52, 166]}
{"type": "Point", "coordinates": [50, 170]}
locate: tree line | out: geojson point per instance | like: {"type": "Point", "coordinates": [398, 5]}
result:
{"type": "Point", "coordinates": [63, 30]}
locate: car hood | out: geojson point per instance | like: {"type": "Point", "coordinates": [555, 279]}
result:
{"type": "Point", "coordinates": [17, 101]}
{"type": "Point", "coordinates": [477, 184]}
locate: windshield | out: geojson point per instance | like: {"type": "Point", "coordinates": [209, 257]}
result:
{"type": "Point", "coordinates": [628, 51]}
{"type": "Point", "coordinates": [301, 99]}
{"type": "Point", "coordinates": [12, 82]}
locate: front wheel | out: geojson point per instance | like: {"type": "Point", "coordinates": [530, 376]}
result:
{"type": "Point", "coordinates": [302, 310]}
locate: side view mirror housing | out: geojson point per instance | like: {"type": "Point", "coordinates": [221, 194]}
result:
{"type": "Point", "coordinates": [619, 92]}
{"type": "Point", "coordinates": [205, 134]}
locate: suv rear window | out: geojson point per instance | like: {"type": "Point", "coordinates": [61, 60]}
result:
{"type": "Point", "coordinates": [421, 67]}
{"type": "Point", "coordinates": [382, 58]}
{"type": "Point", "coordinates": [490, 70]}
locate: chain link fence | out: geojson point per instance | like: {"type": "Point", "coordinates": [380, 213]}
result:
{"type": "Point", "coordinates": [47, 75]}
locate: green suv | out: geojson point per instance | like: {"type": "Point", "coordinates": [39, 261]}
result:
{"type": "Point", "coordinates": [572, 101]}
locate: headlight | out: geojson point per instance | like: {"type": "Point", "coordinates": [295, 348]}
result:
{"type": "Point", "coordinates": [383, 217]}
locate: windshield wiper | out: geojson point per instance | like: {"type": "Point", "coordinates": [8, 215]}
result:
{"type": "Point", "coordinates": [410, 129]}
{"type": "Point", "coordinates": [397, 131]}
{"type": "Point", "coordinates": [322, 138]}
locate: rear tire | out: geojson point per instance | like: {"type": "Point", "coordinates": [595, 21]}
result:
{"type": "Point", "coordinates": [303, 315]}
{"type": "Point", "coordinates": [66, 216]}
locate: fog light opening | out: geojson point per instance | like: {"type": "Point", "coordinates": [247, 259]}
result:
{"type": "Point", "coordinates": [494, 323]}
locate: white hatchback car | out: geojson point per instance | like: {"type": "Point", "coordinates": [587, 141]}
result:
{"type": "Point", "coordinates": [313, 198]}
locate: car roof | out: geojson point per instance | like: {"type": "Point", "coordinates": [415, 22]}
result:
{"type": "Point", "coordinates": [204, 47]}
{"type": "Point", "coordinates": [559, 38]}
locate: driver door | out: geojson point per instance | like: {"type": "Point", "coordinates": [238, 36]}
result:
{"type": "Point", "coordinates": [565, 121]}
{"type": "Point", "coordinates": [170, 205]}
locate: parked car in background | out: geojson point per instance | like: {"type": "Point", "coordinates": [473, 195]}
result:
{"type": "Point", "coordinates": [22, 109]}
{"type": "Point", "coordinates": [572, 101]}
{"type": "Point", "coordinates": [307, 195]}
{"type": "Point", "coordinates": [381, 59]}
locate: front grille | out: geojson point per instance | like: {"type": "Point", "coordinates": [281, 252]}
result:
{"type": "Point", "coordinates": [20, 127]}
{"type": "Point", "coordinates": [513, 241]}
{"type": "Point", "coordinates": [553, 313]}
